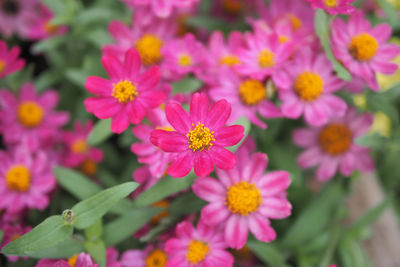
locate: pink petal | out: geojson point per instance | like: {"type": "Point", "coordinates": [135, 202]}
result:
{"type": "Point", "coordinates": [292, 108]}
{"type": "Point", "coordinates": [261, 229]}
{"type": "Point", "coordinates": [310, 157]}
{"type": "Point", "coordinates": [152, 99]}
{"type": "Point", "coordinates": [275, 208]}
{"type": "Point", "coordinates": [199, 107]}
{"type": "Point", "coordinates": [98, 86]}
{"type": "Point", "coordinates": [103, 107]}
{"type": "Point", "coordinates": [255, 168]}
{"type": "Point", "coordinates": [135, 112]}
{"type": "Point", "coordinates": [218, 115]}
{"type": "Point", "coordinates": [209, 189]}
{"type": "Point", "coordinates": [348, 164]}
{"type": "Point", "coordinates": [304, 137]}
{"type": "Point", "coordinates": [178, 118]}
{"type": "Point", "coordinates": [228, 177]}
{"type": "Point", "coordinates": [119, 122]}
{"type": "Point", "coordinates": [274, 183]}
{"type": "Point", "coordinates": [222, 157]}
{"type": "Point", "coordinates": [181, 166]}
{"type": "Point", "coordinates": [214, 213]}
{"type": "Point", "coordinates": [327, 169]}
{"type": "Point", "coordinates": [149, 79]}
{"type": "Point", "coordinates": [381, 32]}
{"type": "Point", "coordinates": [316, 114]}
{"type": "Point", "coordinates": [229, 136]}
{"type": "Point", "coordinates": [236, 231]}
{"type": "Point", "coordinates": [169, 141]}
{"type": "Point", "coordinates": [203, 164]}
{"type": "Point", "coordinates": [132, 64]}
{"type": "Point", "coordinates": [185, 230]}
{"type": "Point", "coordinates": [113, 67]}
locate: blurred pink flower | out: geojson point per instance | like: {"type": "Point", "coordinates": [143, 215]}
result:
{"type": "Point", "coordinates": [15, 16]}
{"type": "Point", "coordinates": [151, 255]}
{"type": "Point", "coordinates": [334, 7]}
{"type": "Point", "coordinates": [9, 61]}
{"type": "Point", "coordinates": [12, 233]}
{"type": "Point", "coordinates": [80, 260]}
{"type": "Point", "coordinates": [162, 8]}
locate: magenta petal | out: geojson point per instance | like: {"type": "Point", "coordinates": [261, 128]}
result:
{"type": "Point", "coordinates": [132, 64]}
{"type": "Point", "coordinates": [255, 168]}
{"type": "Point", "coordinates": [199, 107]}
{"type": "Point", "coordinates": [152, 99]}
{"type": "Point", "coordinates": [181, 166]}
{"type": "Point", "coordinates": [236, 231]}
{"type": "Point", "coordinates": [120, 122]}
{"type": "Point", "coordinates": [214, 213]}
{"type": "Point", "coordinates": [348, 164]}
{"type": "Point", "coordinates": [178, 118]}
{"type": "Point", "coordinates": [103, 107]}
{"type": "Point", "coordinates": [113, 67]}
{"type": "Point", "coordinates": [149, 79]}
{"type": "Point", "coordinates": [203, 164]}
{"type": "Point", "coordinates": [169, 141]}
{"type": "Point", "coordinates": [327, 169]}
{"type": "Point", "coordinates": [218, 115]}
{"type": "Point", "coordinates": [274, 183]}
{"type": "Point", "coordinates": [98, 86]}
{"type": "Point", "coordinates": [229, 136]}
{"type": "Point", "coordinates": [292, 108]}
{"type": "Point", "coordinates": [310, 157]}
{"type": "Point", "coordinates": [261, 228]}
{"type": "Point", "coordinates": [304, 137]}
{"type": "Point", "coordinates": [316, 114]}
{"type": "Point", "coordinates": [222, 157]}
{"type": "Point", "coordinates": [49, 99]}
{"type": "Point", "coordinates": [135, 112]}
{"type": "Point", "coordinates": [209, 189]}
{"type": "Point", "coordinates": [185, 230]}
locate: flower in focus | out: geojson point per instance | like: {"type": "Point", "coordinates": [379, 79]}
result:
{"type": "Point", "coordinates": [334, 7]}
{"type": "Point", "coordinates": [25, 180]}
{"type": "Point", "coordinates": [78, 260]}
{"type": "Point", "coordinates": [332, 146]}
{"type": "Point", "coordinates": [162, 8]}
{"type": "Point", "coordinates": [12, 233]}
{"type": "Point", "coordinates": [78, 153]}
{"type": "Point", "coordinates": [362, 49]}
{"type": "Point", "coordinates": [199, 138]}
{"type": "Point", "coordinates": [31, 117]}
{"type": "Point", "coordinates": [127, 95]}
{"type": "Point", "coordinates": [9, 61]}
{"type": "Point", "coordinates": [15, 16]}
{"type": "Point", "coordinates": [151, 256]}
{"type": "Point", "coordinates": [193, 247]}
{"type": "Point", "coordinates": [308, 89]}
{"type": "Point", "coordinates": [247, 95]}
{"type": "Point", "coordinates": [245, 198]}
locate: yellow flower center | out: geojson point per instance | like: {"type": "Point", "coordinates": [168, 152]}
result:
{"type": "Point", "coordinates": [266, 59]}
{"type": "Point", "coordinates": [72, 260]}
{"type": "Point", "coordinates": [160, 204]}
{"type": "Point", "coordinates": [295, 21]}
{"type": "Point", "coordinates": [200, 137]}
{"type": "Point", "coordinates": [157, 258]}
{"type": "Point", "coordinates": [330, 3]}
{"type": "Point", "coordinates": [283, 39]}
{"type": "Point", "coordinates": [2, 65]}
{"type": "Point", "coordinates": [232, 6]}
{"type": "Point", "coordinates": [185, 60]}
{"type": "Point", "coordinates": [243, 198]}
{"type": "Point", "coordinates": [363, 47]}
{"type": "Point", "coordinates": [50, 28]}
{"type": "Point", "coordinates": [252, 92]}
{"type": "Point", "coordinates": [309, 85]}
{"type": "Point", "coordinates": [30, 114]}
{"type": "Point", "coordinates": [18, 178]}
{"type": "Point", "coordinates": [229, 60]}
{"type": "Point", "coordinates": [165, 128]}
{"type": "Point", "coordinates": [197, 251]}
{"type": "Point", "coordinates": [124, 91]}
{"type": "Point", "coordinates": [335, 138]}
{"type": "Point", "coordinates": [88, 167]}
{"type": "Point", "coordinates": [79, 146]}
{"type": "Point", "coordinates": [149, 48]}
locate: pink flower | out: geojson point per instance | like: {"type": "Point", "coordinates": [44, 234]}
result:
{"type": "Point", "coordinates": [308, 89]}
{"type": "Point", "coordinates": [199, 138]}
{"type": "Point", "coordinates": [25, 180]}
{"type": "Point", "coordinates": [184, 55]}
{"type": "Point", "coordinates": [31, 117]}
{"type": "Point", "coordinates": [162, 8]}
{"type": "Point", "coordinates": [156, 159]}
{"type": "Point", "coordinates": [248, 96]}
{"type": "Point", "coordinates": [127, 95]}
{"type": "Point", "coordinates": [15, 16]}
{"type": "Point", "coordinates": [78, 153]}
{"type": "Point", "coordinates": [11, 233]}
{"type": "Point", "coordinates": [81, 260]}
{"type": "Point", "coordinates": [199, 247]}
{"type": "Point", "coordinates": [263, 55]}
{"type": "Point", "coordinates": [9, 61]}
{"type": "Point", "coordinates": [362, 49]}
{"type": "Point", "coordinates": [245, 198]}
{"type": "Point", "coordinates": [332, 146]}
{"type": "Point", "coordinates": [150, 256]}
{"type": "Point", "coordinates": [334, 7]}
{"type": "Point", "coordinates": [41, 28]}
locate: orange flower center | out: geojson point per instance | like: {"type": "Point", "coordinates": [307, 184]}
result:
{"type": "Point", "coordinates": [308, 86]}
{"type": "Point", "coordinates": [156, 258]}
{"type": "Point", "coordinates": [335, 139]}
{"type": "Point", "coordinates": [232, 6]}
{"type": "Point", "coordinates": [252, 92]}
{"type": "Point", "coordinates": [79, 146]}
{"type": "Point", "coordinates": [363, 47]}
{"type": "Point", "coordinates": [197, 251]}
{"type": "Point", "coordinates": [30, 114]}
{"type": "Point", "coordinates": [88, 167]}
{"type": "Point", "coordinates": [124, 91]}
{"type": "Point", "coordinates": [295, 21]}
{"type": "Point", "coordinates": [149, 48]}
{"type": "Point", "coordinates": [160, 204]}
{"type": "Point", "coordinates": [72, 260]}
{"type": "Point", "coordinates": [50, 28]}
{"type": "Point", "coordinates": [18, 178]}
{"type": "Point", "coordinates": [230, 60]}
{"type": "Point", "coordinates": [2, 65]}
{"type": "Point", "coordinates": [243, 198]}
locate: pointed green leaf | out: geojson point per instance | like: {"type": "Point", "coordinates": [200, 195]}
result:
{"type": "Point", "coordinates": [186, 85]}
{"type": "Point", "coordinates": [268, 253]}
{"type": "Point", "coordinates": [92, 209]}
{"type": "Point", "coordinates": [97, 251]}
{"type": "Point", "coordinates": [47, 234]}
{"type": "Point", "coordinates": [95, 231]}
{"type": "Point", "coordinates": [62, 250]}
{"type": "Point", "coordinates": [390, 11]}
{"type": "Point", "coordinates": [100, 132]}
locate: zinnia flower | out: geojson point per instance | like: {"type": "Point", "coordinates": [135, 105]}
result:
{"type": "Point", "coordinates": [308, 89]}
{"type": "Point", "coordinates": [162, 8]}
{"type": "Point", "coordinates": [151, 256]}
{"type": "Point", "coordinates": [362, 49]}
{"type": "Point", "coordinates": [127, 95]}
{"type": "Point", "coordinates": [9, 61]}
{"type": "Point", "coordinates": [334, 7]}
{"type": "Point", "coordinates": [31, 117]}
{"type": "Point", "coordinates": [199, 247]}
{"type": "Point", "coordinates": [25, 180]}
{"type": "Point", "coordinates": [245, 198]}
{"type": "Point", "coordinates": [15, 16]}
{"type": "Point", "coordinates": [199, 138]}
{"type": "Point", "coordinates": [78, 260]}
{"type": "Point", "coordinates": [332, 146]}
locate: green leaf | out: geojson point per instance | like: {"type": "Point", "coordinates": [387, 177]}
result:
{"type": "Point", "coordinates": [247, 126]}
{"type": "Point", "coordinates": [186, 85]}
{"type": "Point", "coordinates": [100, 132]}
{"type": "Point", "coordinates": [92, 209]}
{"type": "Point", "coordinates": [97, 251]}
{"type": "Point", "coordinates": [49, 44]}
{"type": "Point", "coordinates": [47, 234]}
{"type": "Point", "coordinates": [329, 251]}
{"type": "Point", "coordinates": [352, 253]}
{"type": "Point", "coordinates": [314, 218]}
{"type": "Point", "coordinates": [185, 204]}
{"type": "Point", "coordinates": [322, 27]}
{"type": "Point", "coordinates": [379, 102]}
{"type": "Point", "coordinates": [76, 76]}
{"type": "Point", "coordinates": [62, 250]}
{"type": "Point", "coordinates": [374, 140]}
{"type": "Point", "coordinates": [123, 227]}
{"type": "Point", "coordinates": [95, 231]}
{"type": "Point", "coordinates": [268, 253]}
{"type": "Point", "coordinates": [1, 236]}
{"type": "Point", "coordinates": [208, 23]}
{"type": "Point", "coordinates": [163, 188]}
{"type": "Point", "coordinates": [390, 12]}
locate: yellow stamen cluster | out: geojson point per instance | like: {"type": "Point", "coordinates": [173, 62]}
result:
{"type": "Point", "coordinates": [283, 39]}
{"type": "Point", "coordinates": [230, 60]}
{"type": "Point", "coordinates": [185, 60]}
{"type": "Point", "coordinates": [149, 48]}
{"type": "Point", "coordinates": [295, 21]}
{"type": "Point", "coordinates": [30, 114]}
{"type": "Point", "coordinates": [124, 91]}
{"type": "Point", "coordinates": [266, 59]}
{"type": "Point", "coordinates": [243, 198]}
{"type": "Point", "coordinates": [72, 260]}
{"type": "Point", "coordinates": [200, 137]}
{"type": "Point", "coordinates": [335, 139]}
{"type": "Point", "coordinates": [197, 251]}
{"type": "Point", "coordinates": [2, 65]}
{"type": "Point", "coordinates": [309, 85]}
{"type": "Point", "coordinates": [156, 258]}
{"type": "Point", "coordinates": [18, 178]}
{"type": "Point", "coordinates": [331, 3]}
{"type": "Point", "coordinates": [88, 167]}
{"type": "Point", "coordinates": [79, 146]}
{"type": "Point", "coordinates": [252, 92]}
{"type": "Point", "coordinates": [363, 47]}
